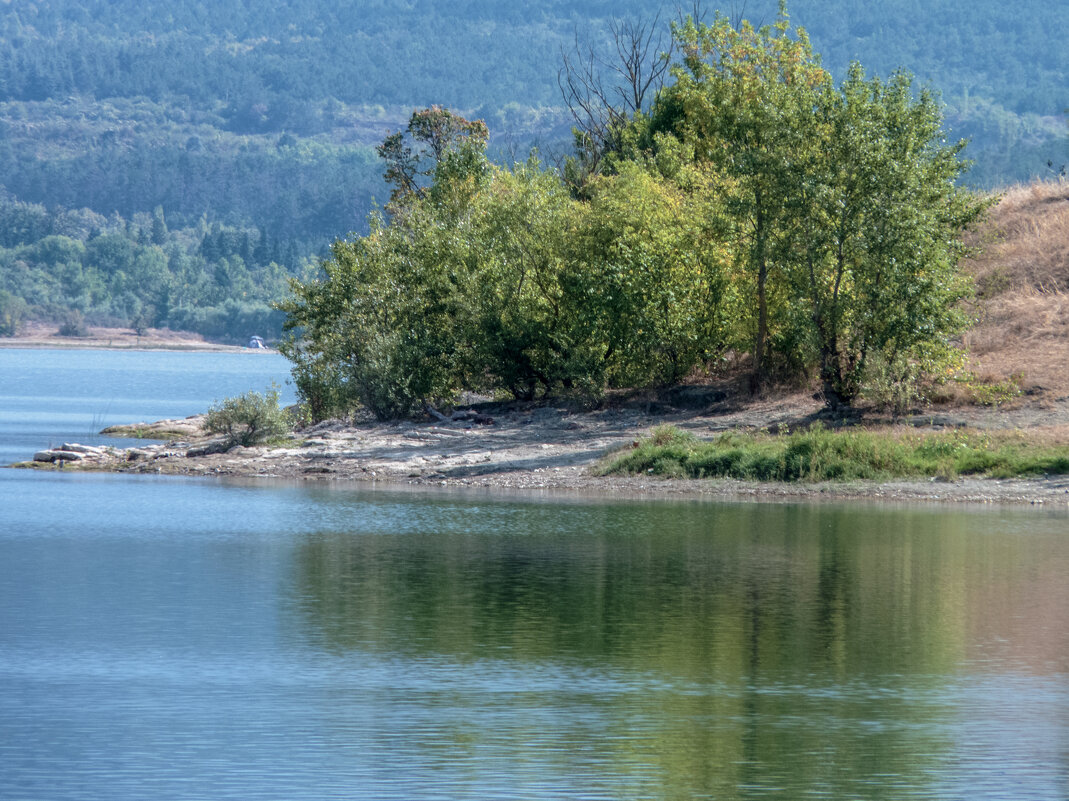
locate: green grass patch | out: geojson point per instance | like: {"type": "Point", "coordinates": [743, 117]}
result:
{"type": "Point", "coordinates": [819, 454]}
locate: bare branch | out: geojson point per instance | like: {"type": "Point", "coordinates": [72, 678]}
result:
{"type": "Point", "coordinates": [696, 13]}
{"type": "Point", "coordinates": [604, 91]}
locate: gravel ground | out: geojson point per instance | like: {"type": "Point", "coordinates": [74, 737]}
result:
{"type": "Point", "coordinates": [546, 448]}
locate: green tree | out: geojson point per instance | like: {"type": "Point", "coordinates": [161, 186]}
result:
{"type": "Point", "coordinates": [12, 311]}
{"type": "Point", "coordinates": [159, 227]}
{"type": "Point", "coordinates": [736, 103]}
{"type": "Point", "coordinates": [387, 325]}
{"type": "Point", "coordinates": [875, 226]}
{"type": "Point", "coordinates": [652, 270]}
{"type": "Point", "coordinates": [434, 135]}
{"type": "Point", "coordinates": [529, 332]}
{"type": "Point", "coordinates": [844, 217]}
{"type": "Point", "coordinates": [378, 326]}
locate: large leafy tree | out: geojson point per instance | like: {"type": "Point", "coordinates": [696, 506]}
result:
{"type": "Point", "coordinates": [845, 220]}
{"type": "Point", "coordinates": [873, 233]}
{"type": "Point", "coordinates": [736, 101]}
{"type": "Point", "coordinates": [384, 326]}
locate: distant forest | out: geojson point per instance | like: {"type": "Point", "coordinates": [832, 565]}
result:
{"type": "Point", "coordinates": [78, 268]}
{"type": "Point", "coordinates": [265, 116]}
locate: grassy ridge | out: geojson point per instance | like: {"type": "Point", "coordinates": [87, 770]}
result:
{"type": "Point", "coordinates": [818, 454]}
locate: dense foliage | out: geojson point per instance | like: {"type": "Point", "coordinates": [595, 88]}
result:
{"type": "Point", "coordinates": [268, 115]}
{"type": "Point", "coordinates": [495, 279]}
{"type": "Point", "coordinates": [759, 208]}
{"type": "Point", "coordinates": [76, 266]}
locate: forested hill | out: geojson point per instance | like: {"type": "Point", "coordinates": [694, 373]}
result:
{"type": "Point", "coordinates": [480, 53]}
{"type": "Point", "coordinates": [265, 115]}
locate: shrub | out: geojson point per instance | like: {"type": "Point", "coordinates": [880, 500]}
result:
{"type": "Point", "coordinates": [248, 419]}
{"type": "Point", "coordinates": [73, 325]}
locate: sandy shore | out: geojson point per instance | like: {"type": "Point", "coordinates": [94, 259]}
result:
{"type": "Point", "coordinates": [545, 448]}
{"type": "Point", "coordinates": [40, 335]}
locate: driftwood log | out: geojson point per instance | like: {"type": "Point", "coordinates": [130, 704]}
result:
{"type": "Point", "coordinates": [460, 416]}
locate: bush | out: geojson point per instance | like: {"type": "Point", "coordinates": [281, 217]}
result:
{"type": "Point", "coordinates": [320, 388]}
{"type": "Point", "coordinates": [73, 326]}
{"type": "Point", "coordinates": [248, 419]}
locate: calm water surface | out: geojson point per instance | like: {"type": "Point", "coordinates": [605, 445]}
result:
{"type": "Point", "coordinates": [186, 639]}
{"type": "Point", "coordinates": [48, 397]}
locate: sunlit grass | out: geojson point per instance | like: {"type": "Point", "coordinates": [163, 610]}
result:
{"type": "Point", "coordinates": [819, 454]}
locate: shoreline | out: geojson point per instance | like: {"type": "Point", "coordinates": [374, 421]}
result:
{"type": "Point", "coordinates": [38, 336]}
{"type": "Point", "coordinates": [525, 451]}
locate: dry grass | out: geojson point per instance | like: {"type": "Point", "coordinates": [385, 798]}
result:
{"type": "Point", "coordinates": [1022, 278]}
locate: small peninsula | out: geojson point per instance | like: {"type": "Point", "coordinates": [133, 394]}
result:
{"type": "Point", "coordinates": [541, 447]}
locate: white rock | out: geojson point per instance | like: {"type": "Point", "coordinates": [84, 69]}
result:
{"type": "Point", "coordinates": [76, 448]}
{"type": "Point", "coordinates": [57, 455]}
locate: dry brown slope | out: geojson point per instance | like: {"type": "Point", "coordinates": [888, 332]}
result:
{"type": "Point", "coordinates": [1022, 277]}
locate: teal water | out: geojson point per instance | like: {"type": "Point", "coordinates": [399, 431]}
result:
{"type": "Point", "coordinates": [189, 639]}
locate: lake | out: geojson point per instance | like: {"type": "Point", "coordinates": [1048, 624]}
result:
{"type": "Point", "coordinates": [190, 639]}
{"type": "Point", "coordinates": [48, 396]}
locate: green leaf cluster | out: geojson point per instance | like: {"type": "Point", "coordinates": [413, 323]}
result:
{"type": "Point", "coordinates": [758, 208]}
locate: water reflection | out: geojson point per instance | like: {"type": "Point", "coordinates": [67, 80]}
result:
{"type": "Point", "coordinates": [191, 639]}
{"type": "Point", "coordinates": [737, 650]}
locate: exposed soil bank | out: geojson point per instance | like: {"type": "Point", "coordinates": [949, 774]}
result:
{"type": "Point", "coordinates": [551, 448]}
{"type": "Point", "coordinates": [40, 335]}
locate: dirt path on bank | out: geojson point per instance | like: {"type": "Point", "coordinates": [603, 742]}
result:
{"type": "Point", "coordinates": [544, 448]}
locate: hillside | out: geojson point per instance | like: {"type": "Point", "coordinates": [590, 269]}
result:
{"type": "Point", "coordinates": [1022, 277]}
{"type": "Point", "coordinates": [258, 125]}
{"type": "Point", "coordinates": [268, 115]}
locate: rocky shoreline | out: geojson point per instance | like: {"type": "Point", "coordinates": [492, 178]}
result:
{"type": "Point", "coordinates": [519, 449]}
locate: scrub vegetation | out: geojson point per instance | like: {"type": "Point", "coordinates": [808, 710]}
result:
{"type": "Point", "coordinates": [248, 419]}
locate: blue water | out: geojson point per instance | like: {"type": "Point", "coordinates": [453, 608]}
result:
{"type": "Point", "coordinates": [193, 639]}
{"type": "Point", "coordinates": [48, 397]}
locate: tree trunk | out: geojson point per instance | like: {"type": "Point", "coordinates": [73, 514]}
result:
{"type": "Point", "coordinates": [757, 377]}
